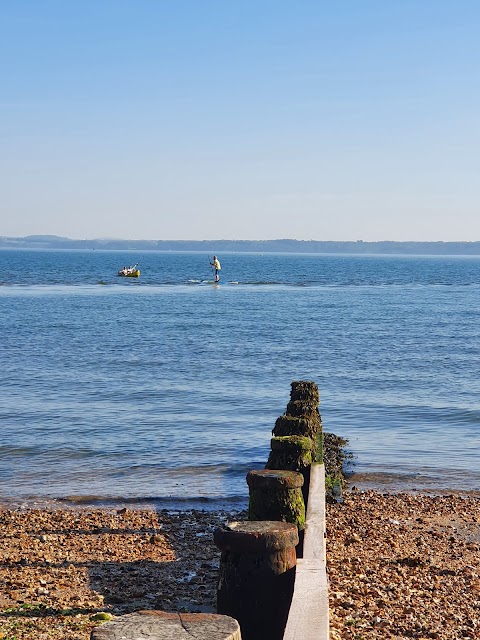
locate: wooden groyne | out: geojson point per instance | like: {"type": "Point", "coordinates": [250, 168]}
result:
{"type": "Point", "coordinates": [308, 617]}
{"type": "Point", "coordinates": [272, 580]}
{"type": "Point", "coordinates": [290, 490]}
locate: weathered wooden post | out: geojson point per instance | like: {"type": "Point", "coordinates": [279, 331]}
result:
{"type": "Point", "coordinates": [305, 391]}
{"type": "Point", "coordinates": [304, 402]}
{"type": "Point", "coordinates": [160, 625]}
{"type": "Point", "coordinates": [302, 425]}
{"type": "Point", "coordinates": [276, 495]}
{"type": "Point", "coordinates": [301, 420]}
{"type": "Point", "coordinates": [257, 575]}
{"type": "Point", "coordinates": [293, 453]}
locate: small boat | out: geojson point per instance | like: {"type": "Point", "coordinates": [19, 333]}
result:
{"type": "Point", "coordinates": [131, 272]}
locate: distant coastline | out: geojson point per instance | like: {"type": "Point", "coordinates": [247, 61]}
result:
{"type": "Point", "coordinates": [246, 246]}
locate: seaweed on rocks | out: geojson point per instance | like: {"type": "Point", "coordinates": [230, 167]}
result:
{"type": "Point", "coordinates": [335, 458]}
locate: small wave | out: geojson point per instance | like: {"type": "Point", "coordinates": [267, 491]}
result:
{"type": "Point", "coordinates": [165, 503]}
{"type": "Point", "coordinates": [187, 471]}
{"type": "Point", "coordinates": [264, 282]}
{"type": "Point", "coordinates": [435, 482]}
{"type": "Point", "coordinates": [129, 284]}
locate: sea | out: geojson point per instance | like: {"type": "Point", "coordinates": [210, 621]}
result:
{"type": "Point", "coordinates": [164, 389]}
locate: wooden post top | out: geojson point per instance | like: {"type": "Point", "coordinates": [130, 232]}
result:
{"type": "Point", "coordinates": [295, 443]}
{"type": "Point", "coordinates": [274, 479]}
{"type": "Point", "coordinates": [304, 390]}
{"type": "Point", "coordinates": [160, 625]}
{"type": "Point", "coordinates": [256, 536]}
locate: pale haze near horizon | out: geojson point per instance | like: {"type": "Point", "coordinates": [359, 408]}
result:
{"type": "Point", "coordinates": [251, 120]}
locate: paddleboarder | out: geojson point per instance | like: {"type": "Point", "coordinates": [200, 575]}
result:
{"type": "Point", "coordinates": [216, 265]}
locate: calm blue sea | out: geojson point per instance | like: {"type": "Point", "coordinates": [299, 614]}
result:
{"type": "Point", "coordinates": [166, 388]}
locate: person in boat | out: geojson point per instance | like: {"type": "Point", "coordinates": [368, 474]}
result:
{"type": "Point", "coordinates": [216, 265]}
{"type": "Point", "coordinates": [124, 270]}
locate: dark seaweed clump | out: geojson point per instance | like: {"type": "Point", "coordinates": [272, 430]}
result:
{"type": "Point", "coordinates": [336, 458]}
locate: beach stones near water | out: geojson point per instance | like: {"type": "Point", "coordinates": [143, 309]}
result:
{"type": "Point", "coordinates": [160, 625]}
{"type": "Point", "coordinates": [276, 495]}
{"type": "Point", "coordinates": [257, 575]}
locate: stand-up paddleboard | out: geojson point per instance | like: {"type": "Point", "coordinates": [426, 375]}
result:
{"type": "Point", "coordinates": [194, 281]}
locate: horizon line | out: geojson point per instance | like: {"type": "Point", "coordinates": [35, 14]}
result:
{"type": "Point", "coordinates": [112, 239]}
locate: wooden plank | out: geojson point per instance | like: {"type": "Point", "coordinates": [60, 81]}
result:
{"type": "Point", "coordinates": [314, 545]}
{"type": "Point", "coordinates": [160, 625]}
{"type": "Point", "coordinates": [308, 618]}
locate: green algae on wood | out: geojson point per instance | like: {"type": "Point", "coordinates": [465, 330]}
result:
{"type": "Point", "coordinates": [296, 426]}
{"type": "Point", "coordinates": [303, 409]}
{"type": "Point", "coordinates": [276, 495]}
{"type": "Point", "coordinates": [305, 390]}
{"type": "Point", "coordinates": [293, 453]}
{"type": "Point", "coordinates": [320, 445]}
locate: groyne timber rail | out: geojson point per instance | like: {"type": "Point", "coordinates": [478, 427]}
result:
{"type": "Point", "coordinates": [308, 618]}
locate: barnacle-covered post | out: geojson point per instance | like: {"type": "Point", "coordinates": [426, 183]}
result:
{"type": "Point", "coordinates": [257, 575]}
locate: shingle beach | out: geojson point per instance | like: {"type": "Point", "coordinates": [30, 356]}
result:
{"type": "Point", "coordinates": [400, 566]}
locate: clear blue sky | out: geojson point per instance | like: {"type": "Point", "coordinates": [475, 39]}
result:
{"type": "Point", "coordinates": [247, 119]}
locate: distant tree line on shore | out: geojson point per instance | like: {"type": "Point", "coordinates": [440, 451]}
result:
{"type": "Point", "coordinates": [245, 246]}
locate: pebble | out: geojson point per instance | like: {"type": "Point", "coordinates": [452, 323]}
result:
{"type": "Point", "coordinates": [90, 565]}
{"type": "Point", "coordinates": [408, 576]}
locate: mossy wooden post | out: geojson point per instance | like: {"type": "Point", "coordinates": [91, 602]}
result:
{"type": "Point", "coordinates": [257, 575]}
{"type": "Point", "coordinates": [160, 625]}
{"type": "Point", "coordinates": [302, 408]}
{"type": "Point", "coordinates": [305, 391]}
{"type": "Point", "coordinates": [296, 426]}
{"type": "Point", "coordinates": [302, 418]}
{"type": "Point", "coordinates": [276, 495]}
{"type": "Point", "coordinates": [293, 453]}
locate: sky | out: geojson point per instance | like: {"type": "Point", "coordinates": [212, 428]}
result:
{"type": "Point", "coordinates": [240, 119]}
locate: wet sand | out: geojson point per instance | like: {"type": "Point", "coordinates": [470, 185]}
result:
{"type": "Point", "coordinates": [400, 566]}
